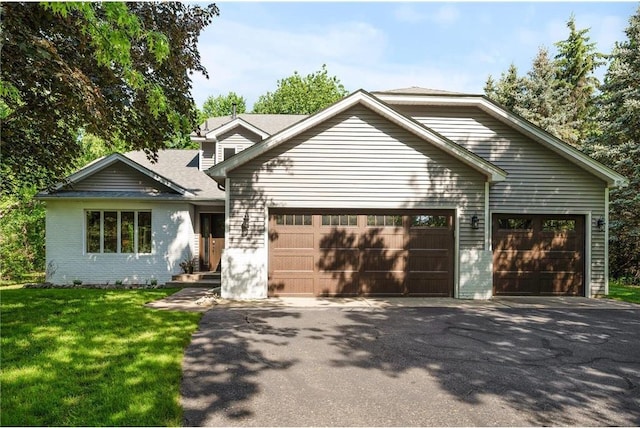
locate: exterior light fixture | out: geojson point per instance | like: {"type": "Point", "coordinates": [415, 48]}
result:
{"type": "Point", "coordinates": [600, 224]}
{"type": "Point", "coordinates": [245, 224]}
{"type": "Point", "coordinates": [475, 222]}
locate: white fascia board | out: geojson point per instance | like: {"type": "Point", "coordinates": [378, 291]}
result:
{"type": "Point", "coordinates": [213, 134]}
{"type": "Point", "coordinates": [102, 163]}
{"type": "Point", "coordinates": [360, 97]}
{"type": "Point", "coordinates": [612, 178]}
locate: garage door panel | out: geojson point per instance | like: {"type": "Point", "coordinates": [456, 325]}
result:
{"type": "Point", "coordinates": [338, 284]}
{"type": "Point", "coordinates": [383, 260]}
{"type": "Point", "coordinates": [339, 259]}
{"type": "Point", "coordinates": [561, 283]}
{"type": "Point", "coordinates": [429, 239]}
{"type": "Point", "coordinates": [290, 240]}
{"type": "Point", "coordinates": [436, 285]}
{"type": "Point", "coordinates": [382, 283]}
{"type": "Point", "coordinates": [516, 283]}
{"type": "Point", "coordinates": [564, 261]}
{"type": "Point", "coordinates": [427, 261]}
{"type": "Point", "coordinates": [293, 262]}
{"type": "Point", "coordinates": [381, 238]}
{"type": "Point", "coordinates": [547, 259]}
{"type": "Point", "coordinates": [292, 285]}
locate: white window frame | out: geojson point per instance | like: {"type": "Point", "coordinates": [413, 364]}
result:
{"type": "Point", "coordinates": [118, 231]}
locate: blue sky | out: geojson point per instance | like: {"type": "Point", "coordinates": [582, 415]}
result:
{"type": "Point", "coordinates": [385, 45]}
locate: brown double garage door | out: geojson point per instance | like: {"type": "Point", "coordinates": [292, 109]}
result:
{"type": "Point", "coordinates": [391, 253]}
{"type": "Point", "coordinates": [538, 254]}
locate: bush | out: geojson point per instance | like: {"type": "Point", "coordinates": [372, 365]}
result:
{"type": "Point", "coordinates": [22, 235]}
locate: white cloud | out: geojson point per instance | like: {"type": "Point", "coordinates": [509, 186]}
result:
{"type": "Point", "coordinates": [444, 15]}
{"type": "Point", "coordinates": [250, 60]}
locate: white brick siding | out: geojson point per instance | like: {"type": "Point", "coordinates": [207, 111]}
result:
{"type": "Point", "coordinates": [172, 236]}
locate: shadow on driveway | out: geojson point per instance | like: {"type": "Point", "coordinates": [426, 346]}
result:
{"type": "Point", "coordinates": [445, 366]}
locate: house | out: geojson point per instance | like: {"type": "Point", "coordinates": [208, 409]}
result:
{"type": "Point", "coordinates": [405, 192]}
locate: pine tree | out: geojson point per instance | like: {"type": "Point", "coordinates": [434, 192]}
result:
{"type": "Point", "coordinates": [618, 145]}
{"type": "Point", "coordinates": [577, 59]}
{"type": "Point", "coordinates": [545, 100]}
{"type": "Point", "coordinates": [508, 88]}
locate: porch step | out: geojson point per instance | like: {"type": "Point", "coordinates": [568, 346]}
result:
{"type": "Point", "coordinates": [197, 279]}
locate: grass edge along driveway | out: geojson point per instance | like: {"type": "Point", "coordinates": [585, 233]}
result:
{"type": "Point", "coordinates": [91, 357]}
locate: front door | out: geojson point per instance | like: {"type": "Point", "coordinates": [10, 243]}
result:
{"type": "Point", "coordinates": [211, 241]}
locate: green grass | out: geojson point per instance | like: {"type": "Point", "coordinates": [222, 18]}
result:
{"type": "Point", "coordinates": [619, 290]}
{"type": "Point", "coordinates": [91, 357]}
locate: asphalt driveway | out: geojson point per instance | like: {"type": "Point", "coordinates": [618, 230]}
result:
{"type": "Point", "coordinates": [471, 365]}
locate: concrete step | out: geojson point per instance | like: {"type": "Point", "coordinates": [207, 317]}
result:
{"type": "Point", "coordinates": [194, 284]}
{"type": "Point", "coordinates": [196, 277]}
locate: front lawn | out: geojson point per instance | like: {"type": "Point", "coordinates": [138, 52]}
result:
{"type": "Point", "coordinates": [619, 290]}
{"type": "Point", "coordinates": [91, 357]}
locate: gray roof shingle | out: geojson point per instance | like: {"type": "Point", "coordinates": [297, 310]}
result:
{"type": "Point", "coordinates": [181, 167]}
{"type": "Point", "coordinates": [269, 123]}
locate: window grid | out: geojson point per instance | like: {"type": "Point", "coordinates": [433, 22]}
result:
{"type": "Point", "coordinates": [558, 225]}
{"type": "Point", "coordinates": [340, 220]}
{"type": "Point", "coordinates": [429, 221]}
{"type": "Point", "coordinates": [294, 219]}
{"type": "Point", "coordinates": [384, 220]}
{"type": "Point", "coordinates": [515, 223]}
{"type": "Point", "coordinates": [121, 232]}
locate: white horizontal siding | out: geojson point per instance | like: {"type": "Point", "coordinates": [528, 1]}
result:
{"type": "Point", "coordinates": [538, 180]}
{"type": "Point", "coordinates": [119, 177]}
{"type": "Point", "coordinates": [239, 138]}
{"type": "Point", "coordinates": [355, 160]}
{"type": "Point", "coordinates": [207, 154]}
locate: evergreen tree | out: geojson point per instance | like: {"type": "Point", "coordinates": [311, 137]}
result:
{"type": "Point", "coordinates": [508, 88]}
{"type": "Point", "coordinates": [618, 145]}
{"type": "Point", "coordinates": [545, 101]}
{"type": "Point", "coordinates": [577, 60]}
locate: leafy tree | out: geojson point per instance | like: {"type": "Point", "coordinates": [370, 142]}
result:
{"type": "Point", "coordinates": [507, 89]}
{"type": "Point", "coordinates": [22, 224]}
{"type": "Point", "coordinates": [577, 59]}
{"type": "Point", "coordinates": [222, 106]}
{"type": "Point", "coordinates": [302, 95]}
{"type": "Point", "coordinates": [545, 100]}
{"type": "Point", "coordinates": [618, 145]}
{"type": "Point", "coordinates": [118, 70]}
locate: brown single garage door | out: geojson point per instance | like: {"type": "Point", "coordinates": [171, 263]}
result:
{"type": "Point", "coordinates": [333, 253]}
{"type": "Point", "coordinates": [538, 254]}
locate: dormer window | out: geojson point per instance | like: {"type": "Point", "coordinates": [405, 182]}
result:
{"type": "Point", "coordinates": [228, 152]}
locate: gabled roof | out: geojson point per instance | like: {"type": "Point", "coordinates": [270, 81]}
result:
{"type": "Point", "coordinates": [174, 169]}
{"type": "Point", "coordinates": [361, 97]}
{"type": "Point", "coordinates": [268, 124]}
{"type": "Point", "coordinates": [612, 178]}
{"type": "Point", "coordinates": [102, 163]}
{"type": "Point", "coordinates": [416, 90]}
{"type": "Point", "coordinates": [214, 134]}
